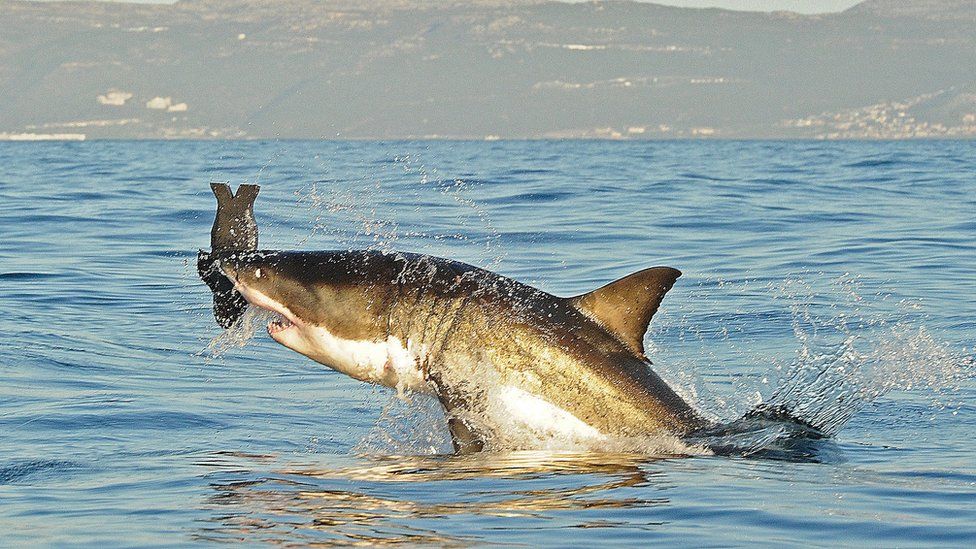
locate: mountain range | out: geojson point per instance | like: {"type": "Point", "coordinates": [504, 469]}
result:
{"type": "Point", "coordinates": [484, 69]}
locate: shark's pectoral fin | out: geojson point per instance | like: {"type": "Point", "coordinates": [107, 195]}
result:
{"type": "Point", "coordinates": [463, 435]}
{"type": "Point", "coordinates": [464, 439]}
{"type": "Point", "coordinates": [625, 307]}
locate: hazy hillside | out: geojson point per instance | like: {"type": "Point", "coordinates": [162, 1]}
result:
{"type": "Point", "coordinates": [389, 69]}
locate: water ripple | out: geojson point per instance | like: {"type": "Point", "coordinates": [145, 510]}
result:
{"type": "Point", "coordinates": [833, 277]}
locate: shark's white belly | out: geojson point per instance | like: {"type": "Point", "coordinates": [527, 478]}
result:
{"type": "Point", "coordinates": [518, 417]}
{"type": "Point", "coordinates": [523, 419]}
{"type": "Point", "coordinates": [390, 363]}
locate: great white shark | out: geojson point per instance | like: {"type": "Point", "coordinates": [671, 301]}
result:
{"type": "Point", "coordinates": [502, 357]}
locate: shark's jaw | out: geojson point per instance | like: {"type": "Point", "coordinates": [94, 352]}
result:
{"type": "Point", "coordinates": [285, 326]}
{"type": "Point", "coordinates": [391, 362]}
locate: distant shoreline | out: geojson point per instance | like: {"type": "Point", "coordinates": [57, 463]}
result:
{"type": "Point", "coordinates": [21, 136]}
{"type": "Point", "coordinates": [419, 69]}
{"type": "Point", "coordinates": [75, 138]}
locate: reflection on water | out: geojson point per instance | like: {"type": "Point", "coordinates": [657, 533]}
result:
{"type": "Point", "coordinates": [407, 499]}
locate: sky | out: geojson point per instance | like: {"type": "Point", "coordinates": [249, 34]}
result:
{"type": "Point", "coordinates": [801, 6]}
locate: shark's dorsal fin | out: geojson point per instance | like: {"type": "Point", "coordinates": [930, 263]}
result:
{"type": "Point", "coordinates": [625, 307]}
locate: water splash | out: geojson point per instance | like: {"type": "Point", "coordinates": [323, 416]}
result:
{"type": "Point", "coordinates": [852, 352]}
{"type": "Point", "coordinates": [241, 332]}
{"type": "Point", "coordinates": [360, 215]}
{"type": "Point", "coordinates": [855, 343]}
{"type": "Point", "coordinates": [411, 425]}
{"type": "Point", "coordinates": [353, 206]}
{"type": "Point", "coordinates": [827, 384]}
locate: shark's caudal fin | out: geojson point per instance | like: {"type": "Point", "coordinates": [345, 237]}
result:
{"type": "Point", "coordinates": [779, 413]}
{"type": "Point", "coordinates": [770, 431]}
{"type": "Point", "coordinates": [625, 307]}
{"type": "Point", "coordinates": [234, 229]}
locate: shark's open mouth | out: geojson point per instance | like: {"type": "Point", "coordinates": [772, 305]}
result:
{"type": "Point", "coordinates": [279, 324]}
{"type": "Point", "coordinates": [283, 318]}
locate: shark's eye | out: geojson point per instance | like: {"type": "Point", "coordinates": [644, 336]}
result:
{"type": "Point", "coordinates": [257, 273]}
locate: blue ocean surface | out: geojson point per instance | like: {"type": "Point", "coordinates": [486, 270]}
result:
{"type": "Point", "coordinates": [837, 276]}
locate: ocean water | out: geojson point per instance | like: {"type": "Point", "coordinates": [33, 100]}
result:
{"type": "Point", "coordinates": [837, 277]}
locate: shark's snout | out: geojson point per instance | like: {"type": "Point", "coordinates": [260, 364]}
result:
{"type": "Point", "coordinates": [255, 282]}
{"type": "Point", "coordinates": [227, 269]}
{"type": "Point", "coordinates": [247, 269]}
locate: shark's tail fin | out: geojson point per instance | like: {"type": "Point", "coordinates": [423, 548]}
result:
{"type": "Point", "coordinates": [234, 230]}
{"type": "Point", "coordinates": [780, 414]}
{"type": "Point", "coordinates": [767, 429]}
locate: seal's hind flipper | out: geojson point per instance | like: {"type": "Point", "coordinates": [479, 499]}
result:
{"type": "Point", "coordinates": [234, 226]}
{"type": "Point", "coordinates": [234, 230]}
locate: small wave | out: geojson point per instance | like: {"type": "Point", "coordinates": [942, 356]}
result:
{"type": "Point", "coordinates": [774, 181]}
{"type": "Point", "coordinates": [522, 198]}
{"type": "Point", "coordinates": [519, 172]}
{"type": "Point", "coordinates": [28, 276]}
{"type": "Point", "coordinates": [158, 420]}
{"type": "Point", "coordinates": [703, 177]}
{"type": "Point", "coordinates": [873, 163]}
{"type": "Point", "coordinates": [24, 470]}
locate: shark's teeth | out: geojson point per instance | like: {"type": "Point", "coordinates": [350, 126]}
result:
{"type": "Point", "coordinates": [279, 324]}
